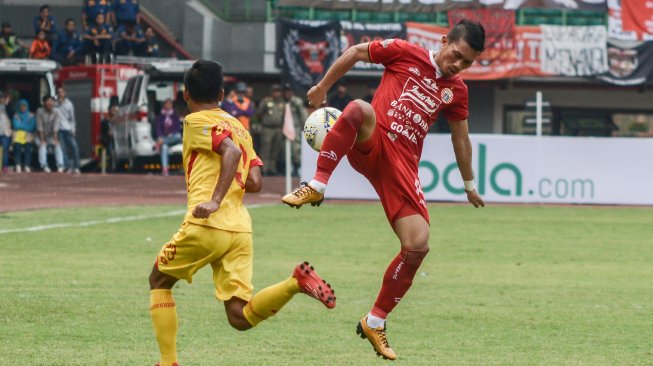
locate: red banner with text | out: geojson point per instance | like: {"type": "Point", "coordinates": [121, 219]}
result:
{"type": "Point", "coordinates": [523, 59]}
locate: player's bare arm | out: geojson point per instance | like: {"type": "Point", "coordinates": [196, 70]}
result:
{"type": "Point", "coordinates": [344, 63]}
{"type": "Point", "coordinates": [462, 147]}
{"type": "Point", "coordinates": [254, 182]}
{"type": "Point", "coordinates": [230, 159]}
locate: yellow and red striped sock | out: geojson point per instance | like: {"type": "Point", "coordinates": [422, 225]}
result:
{"type": "Point", "coordinates": [270, 300]}
{"type": "Point", "coordinates": [163, 312]}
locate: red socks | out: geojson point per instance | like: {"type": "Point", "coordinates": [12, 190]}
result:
{"type": "Point", "coordinates": [339, 141]}
{"type": "Point", "coordinates": [397, 280]}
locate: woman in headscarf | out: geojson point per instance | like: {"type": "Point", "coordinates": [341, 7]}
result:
{"type": "Point", "coordinates": [24, 126]}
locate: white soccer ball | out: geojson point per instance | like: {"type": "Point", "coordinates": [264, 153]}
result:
{"type": "Point", "coordinates": [318, 124]}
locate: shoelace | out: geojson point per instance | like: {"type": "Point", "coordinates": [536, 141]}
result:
{"type": "Point", "coordinates": [384, 340]}
{"type": "Point", "coordinates": [302, 191]}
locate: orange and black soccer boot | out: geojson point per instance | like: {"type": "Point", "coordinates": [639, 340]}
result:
{"type": "Point", "coordinates": [312, 285]}
{"type": "Point", "coordinates": [303, 195]}
{"type": "Point", "coordinates": [378, 338]}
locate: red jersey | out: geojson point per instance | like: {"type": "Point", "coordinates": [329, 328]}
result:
{"type": "Point", "coordinates": [410, 95]}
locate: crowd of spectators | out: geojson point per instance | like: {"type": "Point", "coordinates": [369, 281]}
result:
{"type": "Point", "coordinates": [109, 28]}
{"type": "Point", "coordinates": [51, 130]}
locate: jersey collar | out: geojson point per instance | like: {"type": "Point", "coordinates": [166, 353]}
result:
{"type": "Point", "coordinates": [438, 72]}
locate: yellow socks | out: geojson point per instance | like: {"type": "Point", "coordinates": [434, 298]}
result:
{"type": "Point", "coordinates": [164, 319]}
{"type": "Point", "coordinates": [270, 300]}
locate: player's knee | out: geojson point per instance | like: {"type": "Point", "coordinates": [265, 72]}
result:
{"type": "Point", "coordinates": [365, 109]}
{"type": "Point", "coordinates": [160, 280]}
{"type": "Point", "coordinates": [418, 241]}
{"type": "Point", "coordinates": [238, 322]}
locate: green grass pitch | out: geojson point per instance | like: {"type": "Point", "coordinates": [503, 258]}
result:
{"type": "Point", "coordinates": [504, 285]}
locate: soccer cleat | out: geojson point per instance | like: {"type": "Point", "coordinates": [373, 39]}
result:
{"type": "Point", "coordinates": [312, 285]}
{"type": "Point", "coordinates": [302, 195]}
{"type": "Point", "coordinates": [377, 337]}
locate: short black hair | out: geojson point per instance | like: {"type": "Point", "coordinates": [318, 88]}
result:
{"type": "Point", "coordinates": [46, 6]}
{"type": "Point", "coordinates": [46, 97]}
{"type": "Point", "coordinates": [68, 20]}
{"type": "Point", "coordinates": [204, 81]}
{"type": "Point", "coordinates": [469, 31]}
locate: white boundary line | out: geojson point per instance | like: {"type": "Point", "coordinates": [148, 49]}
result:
{"type": "Point", "coordinates": [111, 220]}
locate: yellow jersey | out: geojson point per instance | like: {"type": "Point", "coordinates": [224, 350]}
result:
{"type": "Point", "coordinates": [204, 131]}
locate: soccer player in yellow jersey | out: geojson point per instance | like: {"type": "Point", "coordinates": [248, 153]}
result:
{"type": "Point", "coordinates": [220, 165]}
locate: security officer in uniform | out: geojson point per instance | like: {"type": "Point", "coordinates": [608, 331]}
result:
{"type": "Point", "coordinates": [299, 117]}
{"type": "Point", "coordinates": [270, 112]}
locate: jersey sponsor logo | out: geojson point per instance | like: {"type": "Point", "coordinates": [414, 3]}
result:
{"type": "Point", "coordinates": [430, 83]}
{"type": "Point", "coordinates": [447, 95]}
{"type": "Point", "coordinates": [404, 114]}
{"type": "Point", "coordinates": [407, 131]}
{"type": "Point", "coordinates": [414, 70]}
{"type": "Point", "coordinates": [387, 42]}
{"type": "Point", "coordinates": [419, 96]}
{"type": "Point", "coordinates": [329, 155]}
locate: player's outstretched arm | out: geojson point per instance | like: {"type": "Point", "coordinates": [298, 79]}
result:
{"type": "Point", "coordinates": [254, 182]}
{"type": "Point", "coordinates": [230, 159]}
{"type": "Point", "coordinates": [344, 63]}
{"type": "Point", "coordinates": [462, 147]}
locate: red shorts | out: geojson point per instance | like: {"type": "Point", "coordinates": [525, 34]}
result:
{"type": "Point", "coordinates": [392, 174]}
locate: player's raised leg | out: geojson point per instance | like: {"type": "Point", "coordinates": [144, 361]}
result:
{"type": "Point", "coordinates": [163, 312]}
{"type": "Point", "coordinates": [413, 233]}
{"type": "Point", "coordinates": [244, 315]}
{"type": "Point", "coordinates": [355, 125]}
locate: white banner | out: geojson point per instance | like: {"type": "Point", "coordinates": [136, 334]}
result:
{"type": "Point", "coordinates": [521, 169]}
{"type": "Point", "coordinates": [574, 51]}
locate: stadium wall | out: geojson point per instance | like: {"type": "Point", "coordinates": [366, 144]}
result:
{"type": "Point", "coordinates": [581, 96]}
{"type": "Point", "coordinates": [168, 12]}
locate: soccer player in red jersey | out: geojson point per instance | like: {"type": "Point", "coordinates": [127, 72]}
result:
{"type": "Point", "coordinates": [383, 141]}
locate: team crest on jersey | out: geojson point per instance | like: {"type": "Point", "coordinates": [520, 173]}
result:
{"type": "Point", "coordinates": [414, 70]}
{"type": "Point", "coordinates": [446, 95]}
{"type": "Point", "coordinates": [387, 42]}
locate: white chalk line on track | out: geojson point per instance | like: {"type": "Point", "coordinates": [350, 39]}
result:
{"type": "Point", "coordinates": [111, 220]}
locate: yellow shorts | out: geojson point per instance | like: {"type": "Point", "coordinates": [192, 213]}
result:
{"type": "Point", "coordinates": [229, 253]}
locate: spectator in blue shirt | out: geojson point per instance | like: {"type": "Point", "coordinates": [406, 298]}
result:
{"type": "Point", "coordinates": [97, 39]}
{"type": "Point", "coordinates": [92, 8]}
{"type": "Point", "coordinates": [130, 39]}
{"type": "Point", "coordinates": [125, 11]}
{"type": "Point", "coordinates": [45, 22]}
{"type": "Point", "coordinates": [149, 48]}
{"type": "Point", "coordinates": [67, 48]}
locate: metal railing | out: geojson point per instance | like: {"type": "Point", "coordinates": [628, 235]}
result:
{"type": "Point", "coordinates": [268, 10]}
